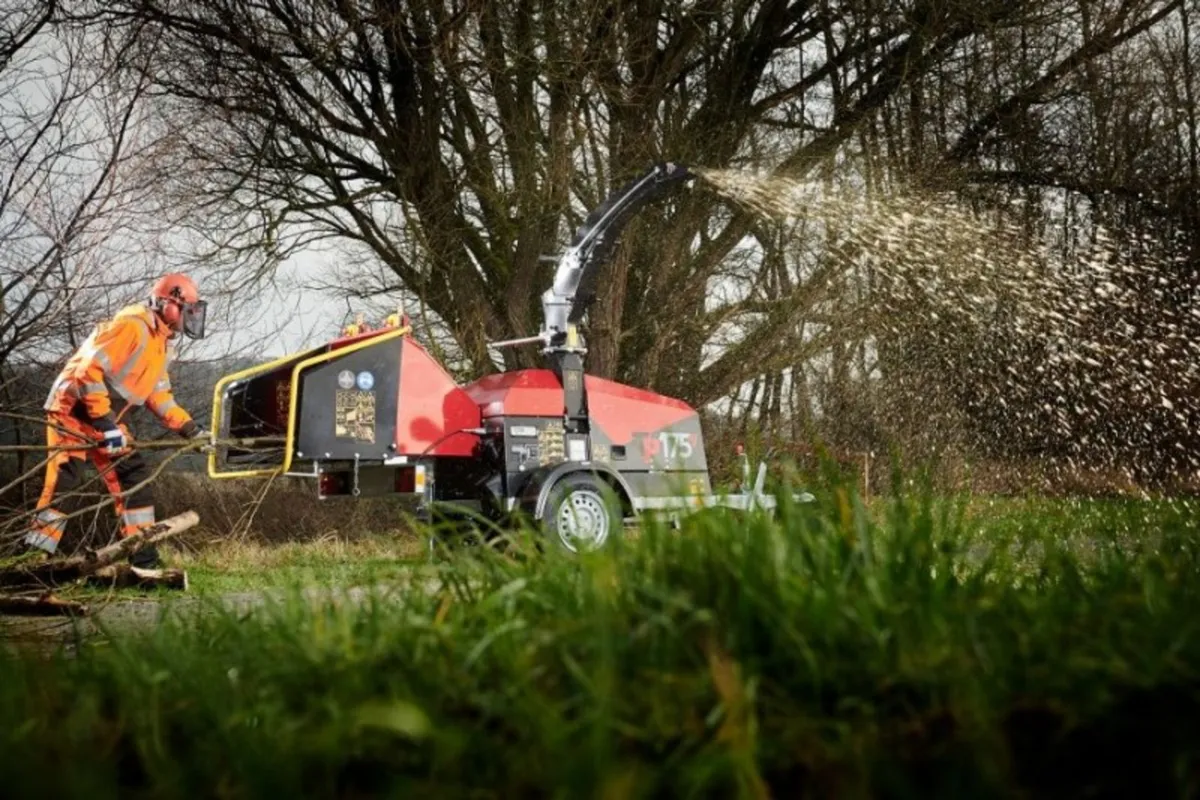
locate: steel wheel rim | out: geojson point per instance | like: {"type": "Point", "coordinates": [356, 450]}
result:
{"type": "Point", "coordinates": [583, 518]}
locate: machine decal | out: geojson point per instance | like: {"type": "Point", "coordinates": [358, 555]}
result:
{"type": "Point", "coordinates": [551, 446]}
{"type": "Point", "coordinates": [669, 446]}
{"type": "Point", "coordinates": [345, 379]}
{"type": "Point", "coordinates": [366, 381]}
{"type": "Point", "coordinates": [354, 416]}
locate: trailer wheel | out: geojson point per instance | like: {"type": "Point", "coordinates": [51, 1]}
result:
{"type": "Point", "coordinates": [582, 512]}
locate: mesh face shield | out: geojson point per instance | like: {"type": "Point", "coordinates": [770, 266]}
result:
{"type": "Point", "coordinates": [194, 315]}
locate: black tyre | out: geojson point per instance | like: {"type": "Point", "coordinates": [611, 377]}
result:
{"type": "Point", "coordinates": [582, 512]}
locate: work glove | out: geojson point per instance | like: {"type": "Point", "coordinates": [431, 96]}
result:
{"type": "Point", "coordinates": [116, 437]}
{"type": "Point", "coordinates": [195, 433]}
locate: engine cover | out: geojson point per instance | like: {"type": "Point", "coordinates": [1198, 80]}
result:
{"type": "Point", "coordinates": [655, 441]}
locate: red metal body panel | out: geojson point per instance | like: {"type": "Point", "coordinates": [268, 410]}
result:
{"type": "Point", "coordinates": [431, 405]}
{"type": "Point", "coordinates": [520, 393]}
{"type": "Point", "coordinates": [617, 409]}
{"type": "Point", "coordinates": [621, 410]}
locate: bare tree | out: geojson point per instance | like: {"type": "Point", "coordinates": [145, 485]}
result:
{"type": "Point", "coordinates": [84, 227]}
{"type": "Point", "coordinates": [449, 146]}
{"type": "Point", "coordinates": [477, 130]}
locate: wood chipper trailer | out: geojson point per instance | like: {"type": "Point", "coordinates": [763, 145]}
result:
{"type": "Point", "coordinates": [375, 414]}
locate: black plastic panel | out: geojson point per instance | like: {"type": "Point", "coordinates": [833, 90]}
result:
{"type": "Point", "coordinates": [529, 443]}
{"type": "Point", "coordinates": [342, 413]}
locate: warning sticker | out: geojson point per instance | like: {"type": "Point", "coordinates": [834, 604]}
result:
{"type": "Point", "coordinates": [354, 416]}
{"type": "Point", "coordinates": [550, 444]}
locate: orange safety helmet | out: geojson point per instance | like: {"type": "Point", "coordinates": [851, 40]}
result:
{"type": "Point", "coordinates": [177, 300]}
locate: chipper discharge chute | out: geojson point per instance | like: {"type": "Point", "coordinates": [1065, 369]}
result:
{"type": "Point", "coordinates": [374, 413]}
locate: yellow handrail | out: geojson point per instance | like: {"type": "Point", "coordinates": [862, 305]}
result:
{"type": "Point", "coordinates": [217, 408]}
{"type": "Point", "coordinates": [290, 437]}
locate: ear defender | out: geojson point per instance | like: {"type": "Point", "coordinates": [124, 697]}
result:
{"type": "Point", "coordinates": [170, 313]}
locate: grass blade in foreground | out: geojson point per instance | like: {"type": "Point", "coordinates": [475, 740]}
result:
{"type": "Point", "coordinates": [833, 652]}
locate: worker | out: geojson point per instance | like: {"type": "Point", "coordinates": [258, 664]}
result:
{"type": "Point", "coordinates": [127, 355]}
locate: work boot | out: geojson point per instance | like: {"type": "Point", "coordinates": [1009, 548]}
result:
{"type": "Point", "coordinates": [146, 558]}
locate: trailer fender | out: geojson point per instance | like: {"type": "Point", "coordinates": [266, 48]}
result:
{"type": "Point", "coordinates": [536, 492]}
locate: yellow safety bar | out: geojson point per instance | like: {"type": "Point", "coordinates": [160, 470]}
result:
{"type": "Point", "coordinates": [290, 437]}
{"type": "Point", "coordinates": [217, 408]}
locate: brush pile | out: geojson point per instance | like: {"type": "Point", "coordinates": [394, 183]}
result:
{"type": "Point", "coordinates": [29, 588]}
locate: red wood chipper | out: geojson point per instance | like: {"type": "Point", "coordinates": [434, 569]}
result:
{"type": "Point", "coordinates": [373, 413]}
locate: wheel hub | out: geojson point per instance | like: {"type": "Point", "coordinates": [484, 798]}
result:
{"type": "Point", "coordinates": [583, 521]}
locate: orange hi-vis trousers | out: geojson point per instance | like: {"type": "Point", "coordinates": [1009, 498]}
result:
{"type": "Point", "coordinates": [122, 474]}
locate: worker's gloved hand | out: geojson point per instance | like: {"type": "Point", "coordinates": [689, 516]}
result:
{"type": "Point", "coordinates": [116, 437]}
{"type": "Point", "coordinates": [114, 442]}
{"type": "Point", "coordinates": [191, 430]}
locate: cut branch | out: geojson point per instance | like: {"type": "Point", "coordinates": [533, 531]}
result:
{"type": "Point", "coordinates": [60, 571]}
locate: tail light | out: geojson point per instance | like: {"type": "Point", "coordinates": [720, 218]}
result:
{"type": "Point", "coordinates": [410, 480]}
{"type": "Point", "coordinates": [332, 483]}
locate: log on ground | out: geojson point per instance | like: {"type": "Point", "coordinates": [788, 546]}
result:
{"type": "Point", "coordinates": [44, 605]}
{"type": "Point", "coordinates": [125, 576]}
{"type": "Point", "coordinates": [69, 570]}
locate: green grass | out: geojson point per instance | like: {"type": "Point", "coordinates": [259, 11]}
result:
{"type": "Point", "coordinates": [923, 648]}
{"type": "Point", "coordinates": [246, 566]}
{"type": "Point", "coordinates": [240, 567]}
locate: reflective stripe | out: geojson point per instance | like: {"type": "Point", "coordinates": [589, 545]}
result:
{"type": "Point", "coordinates": [95, 388]}
{"type": "Point", "coordinates": [59, 385]}
{"type": "Point", "coordinates": [167, 407]}
{"type": "Point", "coordinates": [41, 541]}
{"type": "Point", "coordinates": [164, 385]}
{"type": "Point", "coordinates": [52, 520]}
{"type": "Point", "coordinates": [139, 516]}
{"type": "Point", "coordinates": [87, 350]}
{"type": "Point", "coordinates": [101, 357]}
{"type": "Point", "coordinates": [127, 395]}
{"type": "Point", "coordinates": [135, 357]}
{"type": "Point", "coordinates": [118, 380]}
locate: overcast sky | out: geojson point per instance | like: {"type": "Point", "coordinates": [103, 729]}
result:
{"type": "Point", "coordinates": [288, 317]}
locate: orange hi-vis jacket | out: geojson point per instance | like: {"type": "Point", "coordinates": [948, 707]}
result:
{"type": "Point", "coordinates": [129, 355]}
